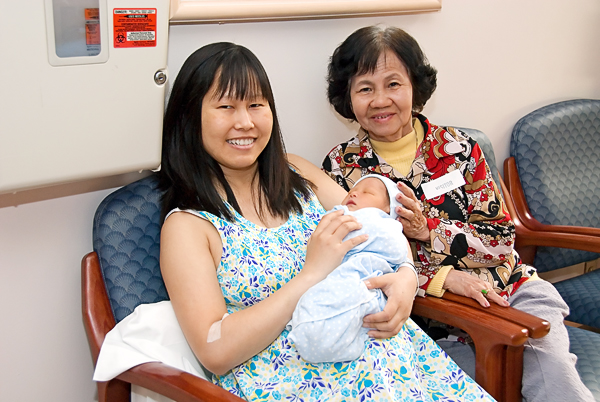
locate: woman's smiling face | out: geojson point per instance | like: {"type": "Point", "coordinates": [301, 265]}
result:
{"type": "Point", "coordinates": [235, 131]}
{"type": "Point", "coordinates": [382, 100]}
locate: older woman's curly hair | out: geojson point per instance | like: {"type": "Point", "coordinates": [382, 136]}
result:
{"type": "Point", "coordinates": [359, 54]}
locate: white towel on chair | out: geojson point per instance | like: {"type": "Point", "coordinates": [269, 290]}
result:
{"type": "Point", "coordinates": [150, 334]}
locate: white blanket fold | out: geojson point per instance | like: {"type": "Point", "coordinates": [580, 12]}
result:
{"type": "Point", "coordinates": [150, 334]}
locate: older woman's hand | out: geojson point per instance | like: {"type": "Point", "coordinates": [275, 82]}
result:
{"type": "Point", "coordinates": [399, 287]}
{"type": "Point", "coordinates": [411, 215]}
{"type": "Point", "coordinates": [464, 284]}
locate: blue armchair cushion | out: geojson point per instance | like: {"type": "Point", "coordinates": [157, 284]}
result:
{"type": "Point", "coordinates": [582, 295]}
{"type": "Point", "coordinates": [584, 344]}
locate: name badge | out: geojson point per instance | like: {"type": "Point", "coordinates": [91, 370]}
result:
{"type": "Point", "coordinates": [442, 185]}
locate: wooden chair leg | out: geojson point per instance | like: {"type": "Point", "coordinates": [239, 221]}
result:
{"type": "Point", "coordinates": [114, 391]}
{"type": "Point", "coordinates": [513, 372]}
{"type": "Point", "coordinates": [500, 368]}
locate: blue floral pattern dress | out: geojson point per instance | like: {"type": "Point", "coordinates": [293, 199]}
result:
{"type": "Point", "coordinates": [256, 262]}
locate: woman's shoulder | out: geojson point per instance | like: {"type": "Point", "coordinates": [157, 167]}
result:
{"type": "Point", "coordinates": [304, 168]}
{"type": "Point", "coordinates": [448, 132]}
{"type": "Point", "coordinates": [189, 227]}
{"type": "Point", "coordinates": [185, 217]}
{"type": "Point", "coordinates": [327, 191]}
{"type": "Point", "coordinates": [448, 140]}
{"type": "Point", "coordinates": [198, 223]}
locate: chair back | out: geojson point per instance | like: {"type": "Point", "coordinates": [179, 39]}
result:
{"type": "Point", "coordinates": [126, 237]}
{"type": "Point", "coordinates": [557, 153]}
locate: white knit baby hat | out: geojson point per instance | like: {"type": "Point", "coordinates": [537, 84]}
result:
{"type": "Point", "coordinates": [392, 190]}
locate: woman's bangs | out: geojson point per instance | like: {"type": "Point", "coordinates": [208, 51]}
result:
{"type": "Point", "coordinates": [368, 61]}
{"type": "Point", "coordinates": [239, 82]}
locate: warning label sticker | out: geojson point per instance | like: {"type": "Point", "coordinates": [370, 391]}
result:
{"type": "Point", "coordinates": [134, 27]}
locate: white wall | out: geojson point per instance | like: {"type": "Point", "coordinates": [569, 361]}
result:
{"type": "Point", "coordinates": [497, 61]}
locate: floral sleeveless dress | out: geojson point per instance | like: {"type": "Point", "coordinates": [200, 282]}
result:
{"type": "Point", "coordinates": [256, 262]}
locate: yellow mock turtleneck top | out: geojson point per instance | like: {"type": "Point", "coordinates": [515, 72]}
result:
{"type": "Point", "coordinates": [400, 154]}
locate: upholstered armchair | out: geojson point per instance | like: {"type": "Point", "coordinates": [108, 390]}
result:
{"type": "Point", "coordinates": [553, 177]}
{"type": "Point", "coordinates": [553, 174]}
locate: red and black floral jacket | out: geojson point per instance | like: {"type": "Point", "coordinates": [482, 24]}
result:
{"type": "Point", "coordinates": [470, 228]}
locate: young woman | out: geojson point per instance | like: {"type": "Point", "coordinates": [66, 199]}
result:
{"type": "Point", "coordinates": [240, 244]}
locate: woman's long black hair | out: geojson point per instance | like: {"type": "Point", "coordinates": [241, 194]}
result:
{"type": "Point", "coordinates": [188, 173]}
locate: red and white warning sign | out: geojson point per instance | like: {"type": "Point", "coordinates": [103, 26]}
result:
{"type": "Point", "coordinates": [134, 27]}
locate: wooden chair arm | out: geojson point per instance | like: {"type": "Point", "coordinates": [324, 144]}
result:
{"type": "Point", "coordinates": [477, 320]}
{"type": "Point", "coordinates": [528, 237]}
{"type": "Point", "coordinates": [536, 327]}
{"type": "Point", "coordinates": [98, 318]}
{"type": "Point", "coordinates": [176, 384]}
{"type": "Point", "coordinates": [513, 184]}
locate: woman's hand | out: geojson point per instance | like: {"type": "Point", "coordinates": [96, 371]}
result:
{"type": "Point", "coordinates": [464, 284]}
{"type": "Point", "coordinates": [326, 246]}
{"type": "Point", "coordinates": [410, 215]}
{"type": "Point", "coordinates": [399, 288]}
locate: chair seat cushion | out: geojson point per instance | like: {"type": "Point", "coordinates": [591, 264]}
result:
{"type": "Point", "coordinates": [582, 294]}
{"type": "Point", "coordinates": [584, 344]}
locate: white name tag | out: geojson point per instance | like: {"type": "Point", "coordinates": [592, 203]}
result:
{"type": "Point", "coordinates": [442, 185]}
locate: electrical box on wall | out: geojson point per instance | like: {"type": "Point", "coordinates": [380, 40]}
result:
{"type": "Point", "coordinates": [83, 89]}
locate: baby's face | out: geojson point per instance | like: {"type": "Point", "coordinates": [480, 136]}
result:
{"type": "Point", "coordinates": [369, 192]}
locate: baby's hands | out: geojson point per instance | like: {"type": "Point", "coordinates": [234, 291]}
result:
{"type": "Point", "coordinates": [326, 246]}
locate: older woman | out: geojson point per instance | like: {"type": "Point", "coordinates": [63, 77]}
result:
{"type": "Point", "coordinates": [453, 213]}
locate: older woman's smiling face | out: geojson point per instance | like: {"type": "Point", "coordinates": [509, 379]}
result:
{"type": "Point", "coordinates": [382, 100]}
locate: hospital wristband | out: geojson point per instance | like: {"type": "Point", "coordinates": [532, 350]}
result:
{"type": "Point", "coordinates": [414, 269]}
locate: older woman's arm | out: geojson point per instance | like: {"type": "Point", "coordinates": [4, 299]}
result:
{"type": "Point", "coordinates": [484, 239]}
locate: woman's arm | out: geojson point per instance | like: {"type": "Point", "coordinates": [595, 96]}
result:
{"type": "Point", "coordinates": [190, 253]}
{"type": "Point", "coordinates": [484, 239]}
{"type": "Point", "coordinates": [327, 191]}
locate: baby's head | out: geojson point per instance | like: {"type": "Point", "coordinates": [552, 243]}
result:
{"type": "Point", "coordinates": [373, 191]}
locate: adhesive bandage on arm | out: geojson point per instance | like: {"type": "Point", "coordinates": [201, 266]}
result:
{"type": "Point", "coordinates": [214, 332]}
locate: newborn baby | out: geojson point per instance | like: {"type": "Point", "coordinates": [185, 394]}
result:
{"type": "Point", "coordinates": [327, 323]}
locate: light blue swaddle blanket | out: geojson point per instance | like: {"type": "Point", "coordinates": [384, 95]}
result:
{"type": "Point", "coordinates": [326, 325]}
